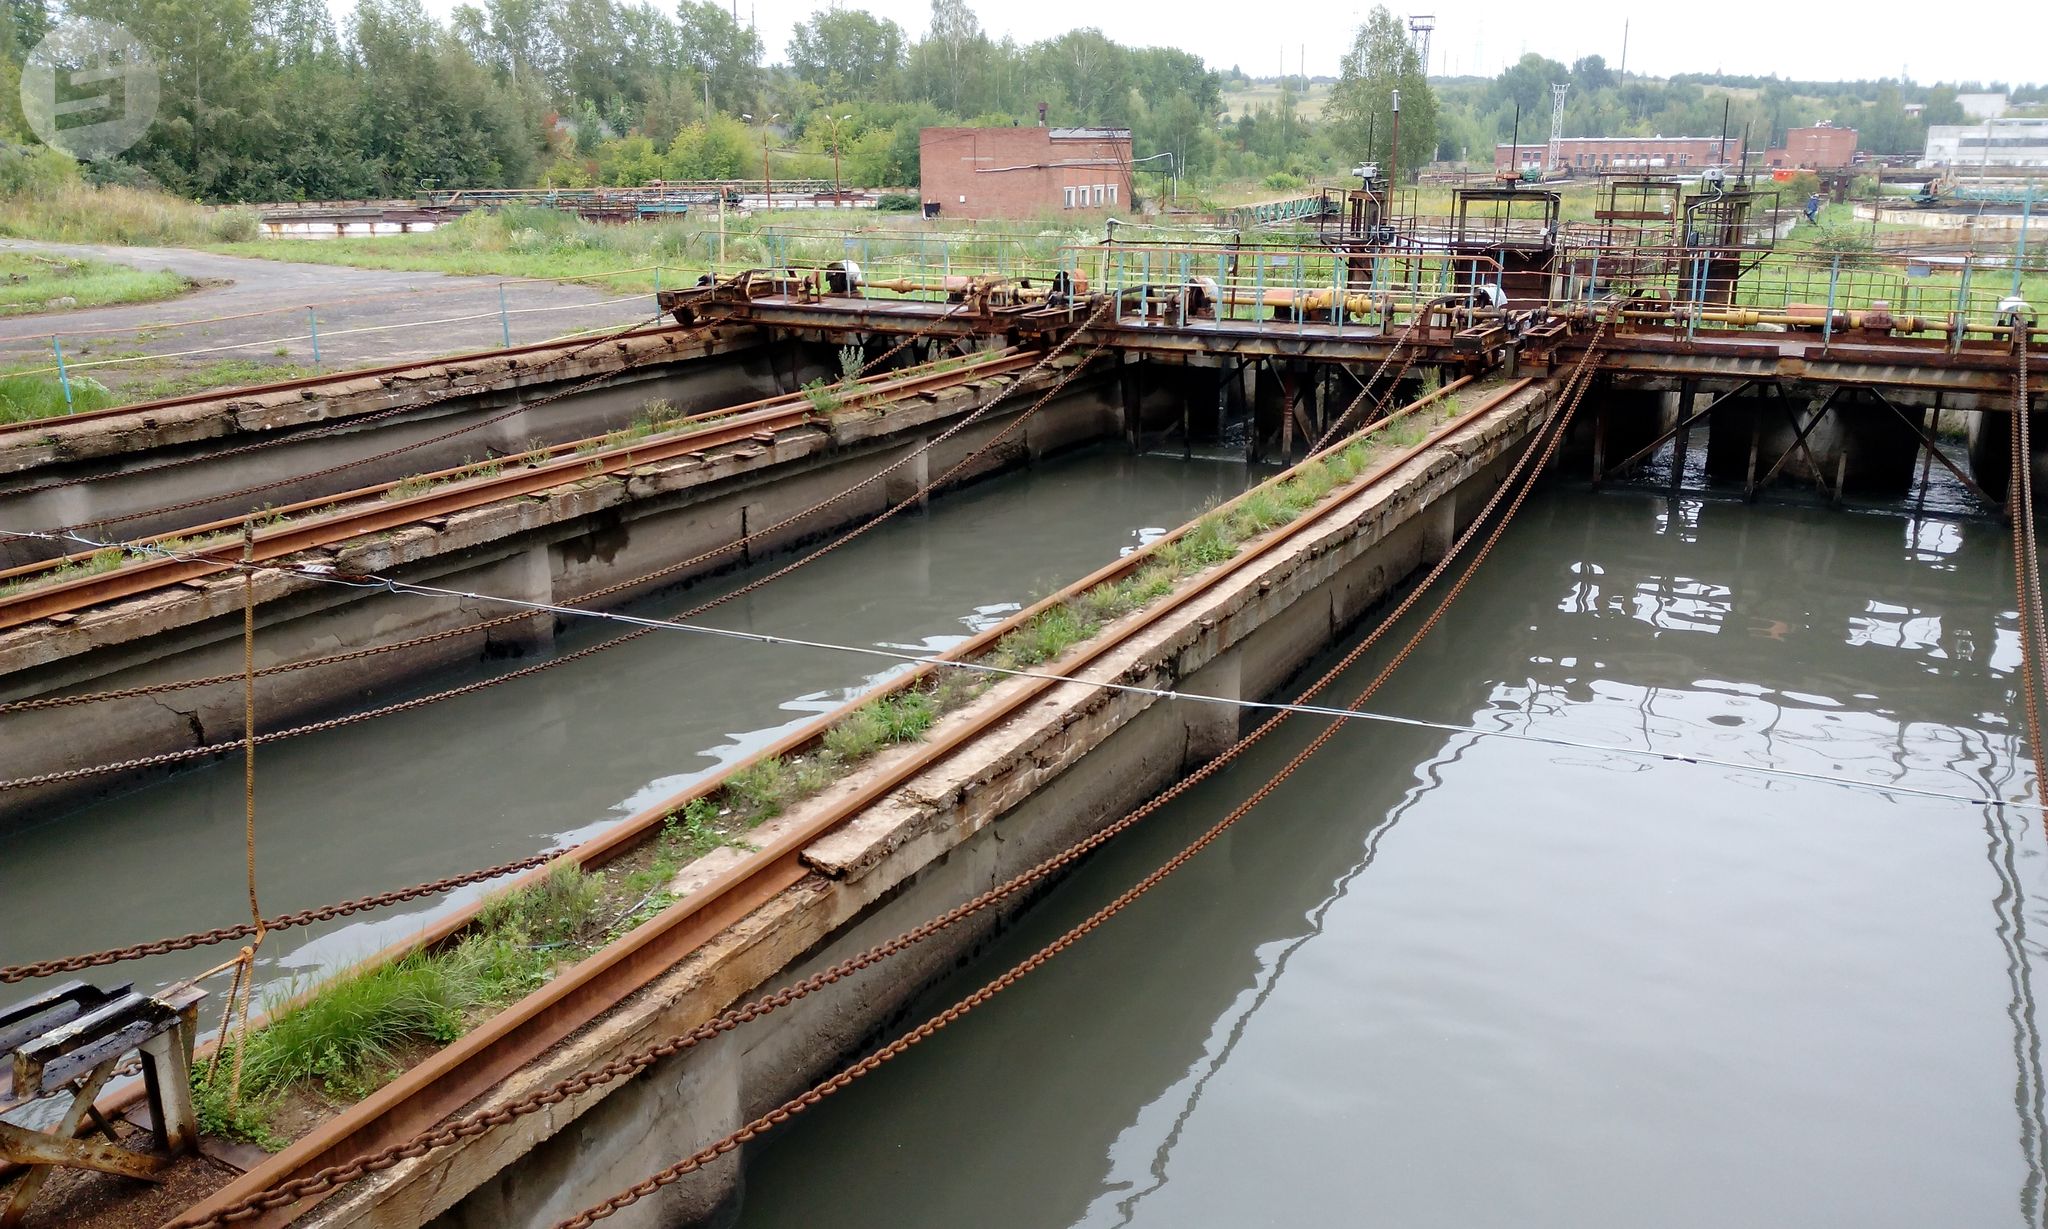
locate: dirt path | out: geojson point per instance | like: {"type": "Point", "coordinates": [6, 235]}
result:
{"type": "Point", "coordinates": [345, 298]}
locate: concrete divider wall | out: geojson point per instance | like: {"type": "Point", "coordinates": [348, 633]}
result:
{"type": "Point", "coordinates": [553, 548]}
{"type": "Point", "coordinates": [1030, 785]}
{"type": "Point", "coordinates": [698, 376]}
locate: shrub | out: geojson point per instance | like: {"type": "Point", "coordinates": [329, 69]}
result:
{"type": "Point", "coordinates": [896, 202]}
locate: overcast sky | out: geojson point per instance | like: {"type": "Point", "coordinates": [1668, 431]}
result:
{"type": "Point", "coordinates": [1812, 41]}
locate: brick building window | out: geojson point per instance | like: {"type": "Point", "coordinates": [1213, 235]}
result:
{"type": "Point", "coordinates": [1070, 199]}
{"type": "Point", "coordinates": [1112, 194]}
{"type": "Point", "coordinates": [1098, 194]}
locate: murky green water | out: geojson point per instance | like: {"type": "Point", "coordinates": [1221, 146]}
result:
{"type": "Point", "coordinates": [1451, 980]}
{"type": "Point", "coordinates": [548, 760]}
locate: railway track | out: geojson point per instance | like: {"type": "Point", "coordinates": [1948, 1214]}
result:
{"type": "Point", "coordinates": [479, 1062]}
{"type": "Point", "coordinates": [43, 591]}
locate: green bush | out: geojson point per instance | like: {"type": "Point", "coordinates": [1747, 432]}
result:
{"type": "Point", "coordinates": [896, 202]}
{"type": "Point", "coordinates": [1281, 181]}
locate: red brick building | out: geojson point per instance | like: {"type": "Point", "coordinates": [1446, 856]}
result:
{"type": "Point", "coordinates": [1822, 147]}
{"type": "Point", "coordinates": [1024, 172]}
{"type": "Point", "coordinates": [1589, 155]}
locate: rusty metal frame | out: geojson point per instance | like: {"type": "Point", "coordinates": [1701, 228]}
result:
{"type": "Point", "coordinates": [1800, 433]}
{"type": "Point", "coordinates": [1928, 442]}
{"type": "Point", "coordinates": [1684, 424]}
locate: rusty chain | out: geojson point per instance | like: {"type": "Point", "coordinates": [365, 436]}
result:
{"type": "Point", "coordinates": [481, 1121]}
{"type": "Point", "coordinates": [1402, 347]}
{"type": "Point", "coordinates": [283, 921]}
{"type": "Point", "coordinates": [1521, 480]}
{"type": "Point", "coordinates": [48, 702]}
{"type": "Point", "coordinates": [2026, 566]}
{"type": "Point", "coordinates": [229, 933]}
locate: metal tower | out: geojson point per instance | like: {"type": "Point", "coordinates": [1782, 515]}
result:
{"type": "Point", "coordinates": [1419, 26]}
{"type": "Point", "coordinates": [1557, 93]}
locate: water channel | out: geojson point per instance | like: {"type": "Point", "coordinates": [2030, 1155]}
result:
{"type": "Point", "coordinates": [1444, 979]}
{"type": "Point", "coordinates": [555, 758]}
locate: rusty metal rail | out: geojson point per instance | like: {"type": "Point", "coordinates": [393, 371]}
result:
{"type": "Point", "coordinates": [480, 1061]}
{"type": "Point", "coordinates": [377, 511]}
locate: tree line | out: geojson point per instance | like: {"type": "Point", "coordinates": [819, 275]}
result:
{"type": "Point", "coordinates": [276, 100]}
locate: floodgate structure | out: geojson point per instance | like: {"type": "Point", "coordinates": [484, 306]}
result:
{"type": "Point", "coordinates": [867, 739]}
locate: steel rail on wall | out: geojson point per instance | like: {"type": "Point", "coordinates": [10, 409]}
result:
{"type": "Point", "coordinates": [565, 464]}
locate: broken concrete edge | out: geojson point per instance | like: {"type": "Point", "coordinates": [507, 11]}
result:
{"type": "Point", "coordinates": [863, 861]}
{"type": "Point", "coordinates": [190, 603]}
{"type": "Point", "coordinates": [56, 442]}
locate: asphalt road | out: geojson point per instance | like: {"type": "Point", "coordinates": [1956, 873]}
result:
{"type": "Point", "coordinates": [345, 299]}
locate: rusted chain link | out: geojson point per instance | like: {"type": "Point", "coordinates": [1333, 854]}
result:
{"type": "Point", "coordinates": [1401, 346]}
{"type": "Point", "coordinates": [189, 754]}
{"type": "Point", "coordinates": [481, 1121]}
{"type": "Point", "coordinates": [283, 921]}
{"type": "Point", "coordinates": [905, 344]}
{"type": "Point", "coordinates": [607, 591]}
{"type": "Point", "coordinates": [1520, 481]}
{"type": "Point", "coordinates": [2026, 568]}
{"type": "Point", "coordinates": [319, 432]}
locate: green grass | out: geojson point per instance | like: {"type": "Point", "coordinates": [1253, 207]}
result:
{"type": "Point", "coordinates": [73, 212]}
{"type": "Point", "coordinates": [25, 397]}
{"type": "Point", "coordinates": [31, 283]}
{"type": "Point", "coordinates": [352, 1034]}
{"type": "Point", "coordinates": [226, 373]}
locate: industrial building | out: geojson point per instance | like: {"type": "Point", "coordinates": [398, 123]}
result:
{"type": "Point", "coordinates": [1820, 147]}
{"type": "Point", "coordinates": [1023, 172]}
{"type": "Point", "coordinates": [1589, 154]}
{"type": "Point", "coordinates": [1995, 143]}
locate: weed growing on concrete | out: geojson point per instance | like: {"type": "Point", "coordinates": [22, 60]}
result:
{"type": "Point", "coordinates": [351, 1035]}
{"type": "Point", "coordinates": [760, 789]}
{"type": "Point", "coordinates": [409, 487]}
{"type": "Point", "coordinates": [851, 359]}
{"type": "Point", "coordinates": [900, 718]}
{"type": "Point", "coordinates": [824, 397]}
{"type": "Point", "coordinates": [1053, 632]}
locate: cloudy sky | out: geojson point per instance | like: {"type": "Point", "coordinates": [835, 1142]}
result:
{"type": "Point", "coordinates": [1818, 41]}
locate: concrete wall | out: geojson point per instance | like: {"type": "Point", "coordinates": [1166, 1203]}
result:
{"type": "Point", "coordinates": [1028, 787]}
{"type": "Point", "coordinates": [556, 548]}
{"type": "Point", "coordinates": [132, 481]}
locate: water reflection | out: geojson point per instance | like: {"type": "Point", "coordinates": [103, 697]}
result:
{"type": "Point", "coordinates": [560, 757]}
{"type": "Point", "coordinates": [1440, 980]}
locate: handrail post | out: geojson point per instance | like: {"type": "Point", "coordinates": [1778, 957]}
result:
{"type": "Point", "coordinates": [313, 330]}
{"type": "Point", "coordinates": [504, 317]}
{"type": "Point", "coordinates": [63, 374]}
{"type": "Point", "coordinates": [1955, 337]}
{"type": "Point", "coordinates": [1827, 331]}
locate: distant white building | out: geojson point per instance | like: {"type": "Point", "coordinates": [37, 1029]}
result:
{"type": "Point", "coordinates": [1982, 106]}
{"type": "Point", "coordinates": [1993, 143]}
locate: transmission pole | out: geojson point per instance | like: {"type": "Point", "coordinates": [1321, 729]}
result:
{"type": "Point", "coordinates": [1557, 93]}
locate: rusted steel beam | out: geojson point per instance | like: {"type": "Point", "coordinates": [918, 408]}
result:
{"type": "Point", "coordinates": [1684, 423]}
